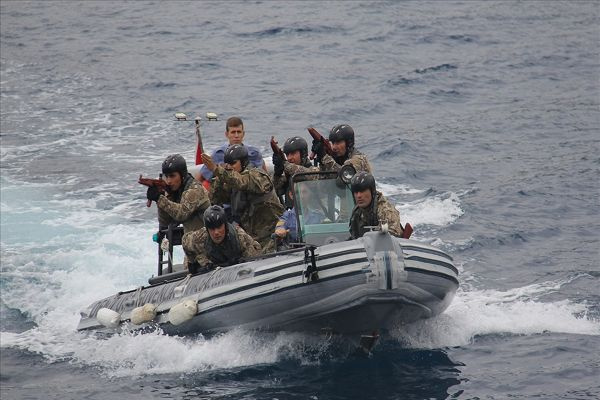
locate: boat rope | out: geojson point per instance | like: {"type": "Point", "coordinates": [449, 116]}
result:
{"type": "Point", "coordinates": [186, 280]}
{"type": "Point", "coordinates": [179, 289]}
{"type": "Point", "coordinates": [209, 278]}
{"type": "Point", "coordinates": [138, 295]}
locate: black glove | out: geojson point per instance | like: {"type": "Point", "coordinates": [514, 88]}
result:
{"type": "Point", "coordinates": [319, 149]}
{"type": "Point", "coordinates": [152, 193]}
{"type": "Point", "coordinates": [277, 164]}
{"type": "Point", "coordinates": [193, 267]}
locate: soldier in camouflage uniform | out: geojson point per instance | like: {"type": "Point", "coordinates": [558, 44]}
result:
{"type": "Point", "coordinates": [185, 200]}
{"type": "Point", "coordinates": [254, 204]}
{"type": "Point", "coordinates": [342, 144]}
{"type": "Point", "coordinates": [218, 244]}
{"type": "Point", "coordinates": [371, 208]}
{"type": "Point", "coordinates": [296, 161]}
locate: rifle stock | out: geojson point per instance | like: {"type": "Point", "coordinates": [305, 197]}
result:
{"type": "Point", "coordinates": [317, 136]}
{"type": "Point", "coordinates": [159, 183]}
{"type": "Point", "coordinates": [276, 149]}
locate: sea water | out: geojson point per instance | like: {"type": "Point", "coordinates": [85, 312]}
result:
{"type": "Point", "coordinates": [481, 121]}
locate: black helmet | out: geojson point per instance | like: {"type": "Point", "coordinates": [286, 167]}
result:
{"type": "Point", "coordinates": [362, 180]}
{"type": "Point", "coordinates": [214, 217]}
{"type": "Point", "coordinates": [294, 144]}
{"type": "Point", "coordinates": [175, 163]}
{"type": "Point", "coordinates": [237, 152]}
{"type": "Point", "coordinates": [342, 132]}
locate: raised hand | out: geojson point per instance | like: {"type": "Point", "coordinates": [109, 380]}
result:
{"type": "Point", "coordinates": [208, 161]}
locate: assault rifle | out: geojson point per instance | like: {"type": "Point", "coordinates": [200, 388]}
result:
{"type": "Point", "coordinates": [317, 136]}
{"type": "Point", "coordinates": [158, 183]}
{"type": "Point", "coordinates": [276, 149]}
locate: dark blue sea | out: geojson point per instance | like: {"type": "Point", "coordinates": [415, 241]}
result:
{"type": "Point", "coordinates": [482, 123]}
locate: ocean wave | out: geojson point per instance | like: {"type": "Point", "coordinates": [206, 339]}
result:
{"type": "Point", "coordinates": [439, 210]}
{"type": "Point", "coordinates": [441, 67]}
{"type": "Point", "coordinates": [472, 315]}
{"type": "Point", "coordinates": [463, 38]}
{"type": "Point", "coordinates": [445, 93]}
{"type": "Point", "coordinates": [127, 355]}
{"type": "Point", "coordinates": [402, 80]}
{"type": "Point", "coordinates": [289, 30]}
{"type": "Point", "coordinates": [389, 189]}
{"type": "Point", "coordinates": [518, 311]}
{"type": "Point", "coordinates": [158, 85]}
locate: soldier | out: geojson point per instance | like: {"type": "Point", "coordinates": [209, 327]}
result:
{"type": "Point", "coordinates": [371, 207]}
{"type": "Point", "coordinates": [296, 153]}
{"type": "Point", "coordinates": [342, 144]}
{"type": "Point", "coordinates": [185, 200]}
{"type": "Point", "coordinates": [254, 204]}
{"type": "Point", "coordinates": [234, 132]}
{"type": "Point", "coordinates": [219, 243]}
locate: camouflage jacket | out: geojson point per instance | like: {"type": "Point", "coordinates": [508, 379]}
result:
{"type": "Point", "coordinates": [357, 159]}
{"type": "Point", "coordinates": [237, 246]}
{"type": "Point", "coordinates": [254, 204]}
{"type": "Point", "coordinates": [186, 206]}
{"type": "Point", "coordinates": [380, 210]}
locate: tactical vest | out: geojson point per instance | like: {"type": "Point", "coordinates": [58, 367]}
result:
{"type": "Point", "coordinates": [356, 228]}
{"type": "Point", "coordinates": [242, 201]}
{"type": "Point", "coordinates": [187, 183]}
{"type": "Point", "coordinates": [349, 154]}
{"type": "Point", "coordinates": [228, 252]}
{"type": "Point", "coordinates": [195, 220]}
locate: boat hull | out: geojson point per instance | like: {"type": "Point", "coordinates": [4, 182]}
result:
{"type": "Point", "coordinates": [370, 284]}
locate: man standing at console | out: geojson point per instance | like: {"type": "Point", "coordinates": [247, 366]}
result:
{"type": "Point", "coordinates": [234, 132]}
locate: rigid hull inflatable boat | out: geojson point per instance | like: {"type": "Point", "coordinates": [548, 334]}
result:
{"type": "Point", "coordinates": [359, 286]}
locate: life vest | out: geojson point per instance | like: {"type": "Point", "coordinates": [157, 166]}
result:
{"type": "Point", "coordinates": [356, 229]}
{"type": "Point", "coordinates": [228, 252]}
{"type": "Point", "coordinates": [176, 197]}
{"type": "Point", "coordinates": [242, 202]}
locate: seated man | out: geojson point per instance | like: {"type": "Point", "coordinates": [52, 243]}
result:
{"type": "Point", "coordinates": [249, 190]}
{"type": "Point", "coordinates": [234, 132]}
{"type": "Point", "coordinates": [219, 243]}
{"type": "Point", "coordinates": [371, 207]}
{"type": "Point", "coordinates": [287, 224]}
{"type": "Point", "coordinates": [185, 200]}
{"type": "Point", "coordinates": [342, 144]}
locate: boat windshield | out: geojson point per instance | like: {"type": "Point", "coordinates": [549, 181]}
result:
{"type": "Point", "coordinates": [323, 208]}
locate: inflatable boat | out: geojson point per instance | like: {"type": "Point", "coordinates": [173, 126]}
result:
{"type": "Point", "coordinates": [324, 283]}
